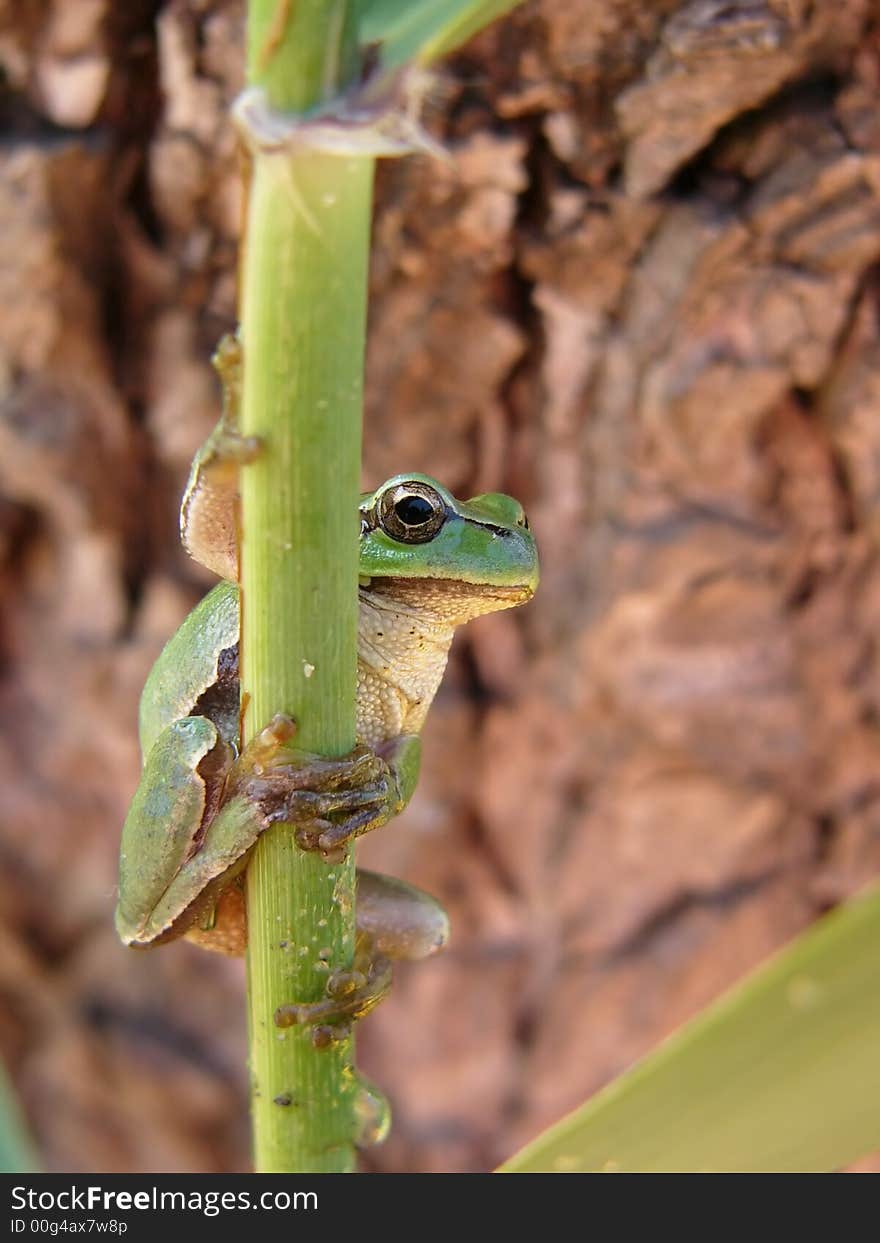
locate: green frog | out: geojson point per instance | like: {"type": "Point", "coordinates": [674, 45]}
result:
{"type": "Point", "coordinates": [428, 563]}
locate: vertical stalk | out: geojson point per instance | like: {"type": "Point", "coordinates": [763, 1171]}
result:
{"type": "Point", "coordinates": [303, 311]}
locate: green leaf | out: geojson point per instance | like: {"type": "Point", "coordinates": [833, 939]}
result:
{"type": "Point", "coordinates": [781, 1074]}
{"type": "Point", "coordinates": [423, 30]}
{"type": "Point", "coordinates": [16, 1153]}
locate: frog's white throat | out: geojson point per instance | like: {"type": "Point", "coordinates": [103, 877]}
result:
{"type": "Point", "coordinates": [405, 629]}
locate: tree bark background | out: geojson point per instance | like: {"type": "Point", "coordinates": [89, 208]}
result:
{"type": "Point", "coordinates": [641, 296]}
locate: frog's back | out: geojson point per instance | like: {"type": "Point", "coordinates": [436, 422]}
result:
{"type": "Point", "coordinates": [197, 670]}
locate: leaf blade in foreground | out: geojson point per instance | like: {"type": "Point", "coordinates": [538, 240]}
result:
{"type": "Point", "coordinates": [781, 1074]}
{"type": "Point", "coordinates": [423, 30]}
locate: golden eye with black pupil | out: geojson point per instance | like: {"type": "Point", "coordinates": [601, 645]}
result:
{"type": "Point", "coordinates": [411, 513]}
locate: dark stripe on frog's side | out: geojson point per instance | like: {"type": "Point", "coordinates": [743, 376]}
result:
{"type": "Point", "coordinates": [220, 702]}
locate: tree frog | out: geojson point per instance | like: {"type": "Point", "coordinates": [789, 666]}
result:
{"type": "Point", "coordinates": [428, 563]}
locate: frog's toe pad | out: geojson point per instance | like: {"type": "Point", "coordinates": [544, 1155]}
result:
{"type": "Point", "coordinates": [340, 833]}
{"type": "Point", "coordinates": [277, 733]}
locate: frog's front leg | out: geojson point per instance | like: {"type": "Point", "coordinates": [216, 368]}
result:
{"type": "Point", "coordinates": [209, 509]}
{"type": "Point", "coordinates": [332, 801]}
{"type": "Point", "coordinates": [395, 921]}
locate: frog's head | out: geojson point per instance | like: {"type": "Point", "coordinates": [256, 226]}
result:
{"type": "Point", "coordinates": [412, 527]}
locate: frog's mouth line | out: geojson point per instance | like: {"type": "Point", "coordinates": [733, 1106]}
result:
{"type": "Point", "coordinates": [450, 587]}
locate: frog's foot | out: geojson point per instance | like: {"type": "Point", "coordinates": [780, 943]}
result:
{"type": "Point", "coordinates": [228, 361]}
{"type": "Point", "coordinates": [350, 995]}
{"type": "Point", "coordinates": [228, 358]}
{"type": "Point", "coordinates": [347, 815]}
{"type": "Point", "coordinates": [227, 443]}
{"type": "Point", "coordinates": [328, 801]}
{"type": "Point", "coordinates": [372, 1114]}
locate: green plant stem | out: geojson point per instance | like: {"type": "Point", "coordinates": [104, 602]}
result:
{"type": "Point", "coordinates": [303, 311]}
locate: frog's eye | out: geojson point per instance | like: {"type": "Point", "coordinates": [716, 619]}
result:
{"type": "Point", "coordinates": [412, 513]}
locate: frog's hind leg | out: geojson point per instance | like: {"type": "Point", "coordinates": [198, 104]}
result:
{"type": "Point", "coordinates": [350, 995]}
{"type": "Point", "coordinates": [228, 362]}
{"type": "Point", "coordinates": [209, 510]}
{"type": "Point", "coordinates": [178, 850]}
{"type": "Point", "coordinates": [228, 443]}
{"type": "Point", "coordinates": [193, 902]}
{"type": "Point", "coordinates": [394, 921]}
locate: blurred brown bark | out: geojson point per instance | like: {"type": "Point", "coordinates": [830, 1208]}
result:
{"type": "Point", "coordinates": [641, 296]}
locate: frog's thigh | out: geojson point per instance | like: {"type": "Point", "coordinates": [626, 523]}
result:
{"type": "Point", "coordinates": [165, 813]}
{"type": "Point", "coordinates": [196, 888]}
{"type": "Point", "coordinates": [399, 920]}
{"type": "Point", "coordinates": [164, 886]}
